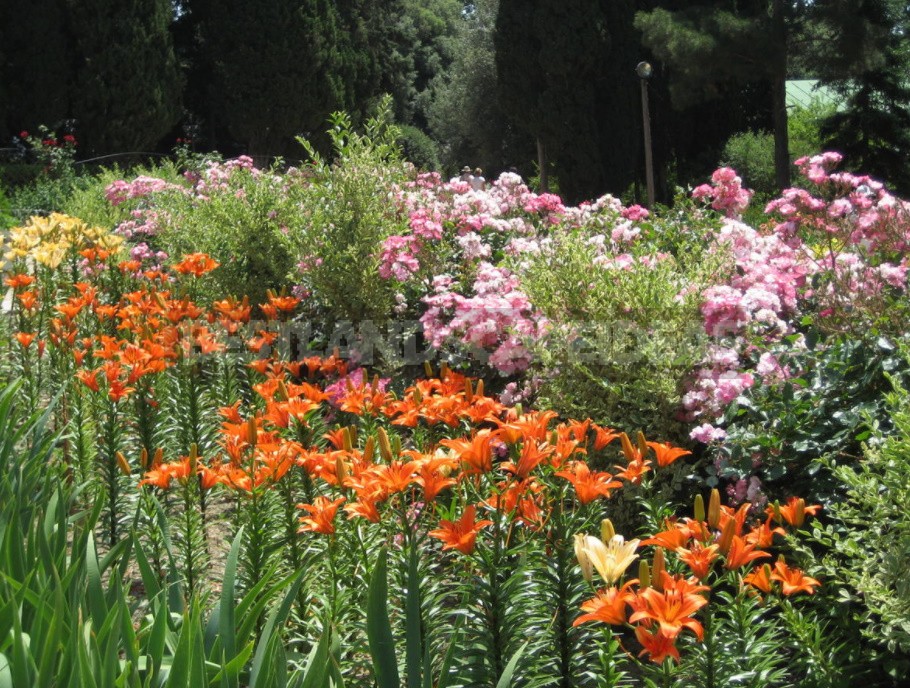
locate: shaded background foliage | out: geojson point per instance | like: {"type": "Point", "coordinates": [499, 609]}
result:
{"type": "Point", "coordinates": [477, 83]}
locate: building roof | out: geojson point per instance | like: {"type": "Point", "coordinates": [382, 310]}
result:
{"type": "Point", "coordinates": [803, 92]}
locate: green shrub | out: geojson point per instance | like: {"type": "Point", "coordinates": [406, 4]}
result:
{"type": "Point", "coordinates": [867, 541]}
{"type": "Point", "coordinates": [751, 153]}
{"type": "Point", "coordinates": [240, 225]}
{"type": "Point", "coordinates": [346, 213]}
{"type": "Point", "coordinates": [622, 338]}
{"type": "Point", "coordinates": [816, 419]}
{"type": "Point", "coordinates": [418, 148]}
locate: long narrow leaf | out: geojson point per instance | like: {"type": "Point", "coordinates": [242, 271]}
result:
{"type": "Point", "coordinates": [379, 629]}
{"type": "Point", "coordinates": [505, 681]}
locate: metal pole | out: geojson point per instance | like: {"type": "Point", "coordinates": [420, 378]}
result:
{"type": "Point", "coordinates": [649, 160]}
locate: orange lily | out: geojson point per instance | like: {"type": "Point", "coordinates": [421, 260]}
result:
{"type": "Point", "coordinates": [460, 534]}
{"type": "Point", "coordinates": [321, 515]}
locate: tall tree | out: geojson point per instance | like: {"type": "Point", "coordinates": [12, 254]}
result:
{"type": "Point", "coordinates": [35, 72]}
{"type": "Point", "coordinates": [566, 78]}
{"type": "Point", "coordinates": [465, 113]}
{"type": "Point", "coordinates": [127, 87]}
{"type": "Point", "coordinates": [277, 69]}
{"type": "Point", "coordinates": [872, 128]}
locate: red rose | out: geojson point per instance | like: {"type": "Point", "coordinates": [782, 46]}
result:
{"type": "Point", "coordinates": [23, 134]}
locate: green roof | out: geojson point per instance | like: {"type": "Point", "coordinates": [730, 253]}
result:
{"type": "Point", "coordinates": [802, 93]}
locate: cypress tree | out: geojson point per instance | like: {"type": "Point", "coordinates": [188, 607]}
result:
{"type": "Point", "coordinates": [277, 69]}
{"type": "Point", "coordinates": [566, 78]}
{"type": "Point", "coordinates": [128, 85]}
{"type": "Point", "coordinates": [35, 70]}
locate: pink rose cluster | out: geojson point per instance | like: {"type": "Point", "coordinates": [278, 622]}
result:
{"type": "Point", "coordinates": [725, 193]}
{"type": "Point", "coordinates": [492, 323]}
{"type": "Point", "coordinates": [120, 191]}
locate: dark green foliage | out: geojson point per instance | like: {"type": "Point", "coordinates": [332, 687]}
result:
{"type": "Point", "coordinates": [35, 65]}
{"type": "Point", "coordinates": [866, 542]}
{"type": "Point", "coordinates": [275, 69]}
{"type": "Point", "coordinates": [824, 412]}
{"type": "Point", "coordinates": [566, 79]}
{"type": "Point", "coordinates": [418, 148]}
{"type": "Point", "coordinates": [465, 114]}
{"type": "Point", "coordinates": [872, 128]}
{"type": "Point", "coordinates": [127, 85]}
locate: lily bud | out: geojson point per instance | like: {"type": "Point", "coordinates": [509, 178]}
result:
{"type": "Point", "coordinates": [644, 574]}
{"type": "Point", "coordinates": [468, 390]}
{"type": "Point", "coordinates": [799, 513]}
{"type": "Point", "coordinates": [341, 470]}
{"type": "Point", "coordinates": [283, 394]}
{"type": "Point", "coordinates": [554, 438]}
{"type": "Point", "coordinates": [606, 530]}
{"type": "Point", "coordinates": [385, 447]}
{"type": "Point", "coordinates": [194, 458]}
{"type": "Point", "coordinates": [123, 463]}
{"type": "Point", "coordinates": [353, 429]}
{"type": "Point", "coordinates": [627, 449]}
{"type": "Point", "coordinates": [251, 432]}
{"type": "Point", "coordinates": [144, 459]}
{"type": "Point", "coordinates": [396, 446]}
{"type": "Point", "coordinates": [642, 444]}
{"type": "Point", "coordinates": [427, 369]}
{"type": "Point", "coordinates": [584, 561]}
{"type": "Point", "coordinates": [418, 395]}
{"type": "Point", "coordinates": [714, 509]}
{"type": "Point", "coordinates": [158, 458]}
{"type": "Point", "coordinates": [699, 508]}
{"type": "Point", "coordinates": [444, 370]}
{"type": "Point", "coordinates": [346, 442]}
{"type": "Point", "coordinates": [658, 569]}
{"type": "Point", "coordinates": [726, 537]}
{"type": "Point", "coordinates": [478, 391]}
{"type": "Point", "coordinates": [369, 448]}
{"type": "Point", "coordinates": [778, 518]}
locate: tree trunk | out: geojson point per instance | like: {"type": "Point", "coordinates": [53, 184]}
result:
{"type": "Point", "coordinates": [543, 164]}
{"type": "Point", "coordinates": [779, 97]}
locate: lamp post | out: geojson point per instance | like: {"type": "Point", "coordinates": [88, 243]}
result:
{"type": "Point", "coordinates": [644, 71]}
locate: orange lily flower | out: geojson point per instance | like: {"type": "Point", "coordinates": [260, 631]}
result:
{"type": "Point", "coordinates": [795, 511]}
{"type": "Point", "coordinates": [673, 608]}
{"type": "Point", "coordinates": [25, 339]}
{"type": "Point", "coordinates": [322, 515]}
{"type": "Point", "coordinates": [19, 280]}
{"type": "Point", "coordinates": [667, 454]}
{"type": "Point", "coordinates": [792, 579]}
{"type": "Point", "coordinates": [461, 534]}
{"type": "Point", "coordinates": [760, 578]}
{"type": "Point", "coordinates": [588, 485]}
{"type": "Point", "coordinates": [608, 606]}
{"type": "Point", "coordinates": [89, 378]}
{"type": "Point", "coordinates": [741, 553]}
{"type": "Point", "coordinates": [675, 537]}
{"type": "Point", "coordinates": [531, 457]}
{"type": "Point", "coordinates": [196, 264]}
{"type": "Point", "coordinates": [658, 645]}
{"type": "Point", "coordinates": [28, 299]}
{"type": "Point", "coordinates": [699, 558]}
{"type": "Point", "coordinates": [603, 437]}
{"type": "Point", "coordinates": [476, 452]}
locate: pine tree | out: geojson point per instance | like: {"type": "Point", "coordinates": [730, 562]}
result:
{"type": "Point", "coordinates": [872, 128]}
{"type": "Point", "coordinates": [127, 87]}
